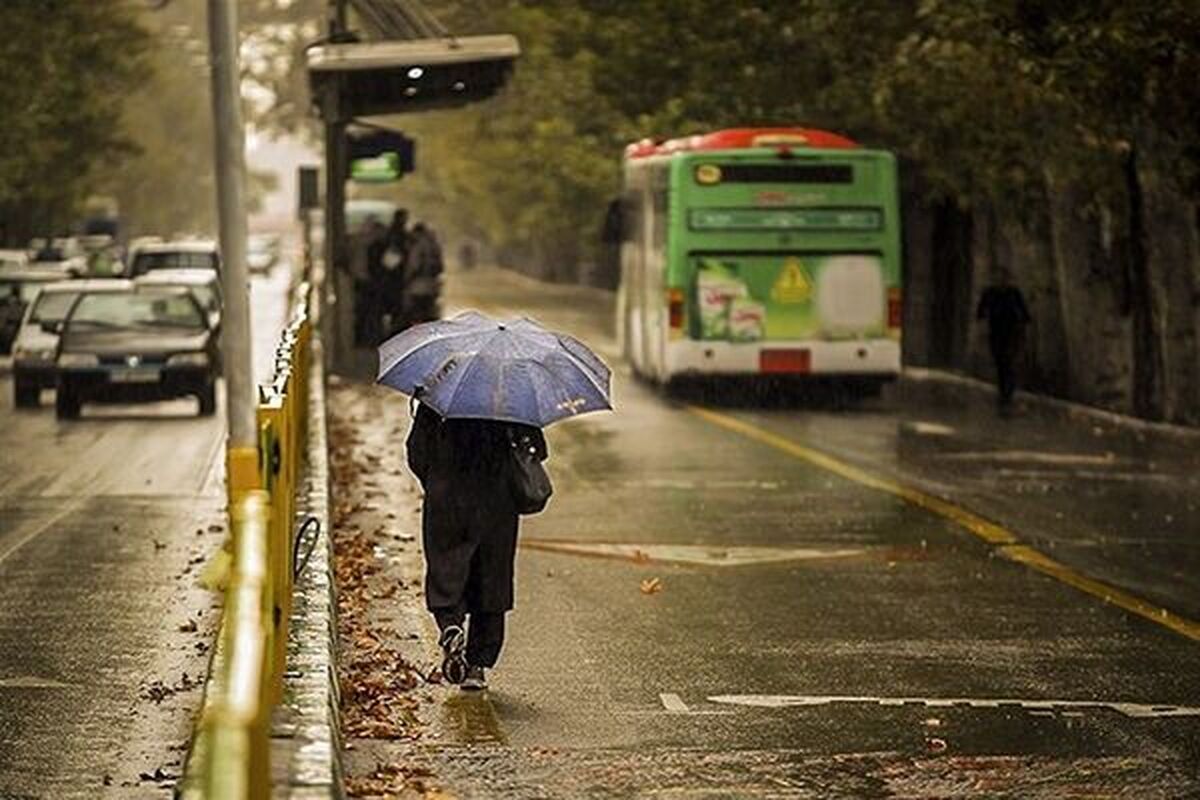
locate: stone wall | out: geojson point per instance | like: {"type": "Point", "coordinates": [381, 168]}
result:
{"type": "Point", "coordinates": [1075, 259]}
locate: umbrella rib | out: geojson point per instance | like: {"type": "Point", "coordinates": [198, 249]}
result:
{"type": "Point", "coordinates": [587, 371]}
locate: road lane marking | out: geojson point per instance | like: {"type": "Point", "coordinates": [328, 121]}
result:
{"type": "Point", "coordinates": [673, 703]}
{"type": "Point", "coordinates": [33, 682]}
{"type": "Point", "coordinates": [690, 554]}
{"type": "Point", "coordinates": [988, 531]}
{"type": "Point", "coordinates": [1035, 456]}
{"type": "Point", "coordinates": [927, 428]}
{"type": "Point", "coordinates": [1065, 707]}
{"type": "Point", "coordinates": [1006, 541]}
{"type": "Point", "coordinates": [69, 507]}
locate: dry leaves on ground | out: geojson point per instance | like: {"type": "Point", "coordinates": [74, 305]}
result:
{"type": "Point", "coordinates": [651, 586]}
{"type": "Point", "coordinates": [377, 681]}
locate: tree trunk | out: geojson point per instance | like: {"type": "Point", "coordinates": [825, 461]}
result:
{"type": "Point", "coordinates": [951, 301]}
{"type": "Point", "coordinates": [1149, 365]}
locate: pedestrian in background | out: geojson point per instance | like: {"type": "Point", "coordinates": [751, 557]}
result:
{"type": "Point", "coordinates": [422, 275]}
{"type": "Point", "coordinates": [368, 329]}
{"type": "Point", "coordinates": [1003, 306]}
{"type": "Point", "coordinates": [469, 531]}
{"type": "Point", "coordinates": [391, 291]}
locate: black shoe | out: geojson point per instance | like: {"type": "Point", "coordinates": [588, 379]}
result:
{"type": "Point", "coordinates": [476, 680]}
{"type": "Point", "coordinates": [454, 646]}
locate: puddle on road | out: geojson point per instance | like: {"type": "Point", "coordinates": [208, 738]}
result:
{"type": "Point", "coordinates": [470, 718]}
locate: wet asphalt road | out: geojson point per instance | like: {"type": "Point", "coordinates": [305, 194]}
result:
{"type": "Point", "coordinates": [104, 523]}
{"type": "Point", "coordinates": [887, 652]}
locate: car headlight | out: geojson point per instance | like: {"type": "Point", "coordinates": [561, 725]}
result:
{"type": "Point", "coordinates": [78, 360]}
{"type": "Point", "coordinates": [188, 360]}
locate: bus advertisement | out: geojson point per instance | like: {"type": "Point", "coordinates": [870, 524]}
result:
{"type": "Point", "coordinates": [760, 251]}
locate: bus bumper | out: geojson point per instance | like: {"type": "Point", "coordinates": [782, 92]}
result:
{"type": "Point", "coordinates": [873, 357]}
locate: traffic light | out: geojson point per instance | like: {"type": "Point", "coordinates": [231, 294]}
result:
{"type": "Point", "coordinates": [370, 78]}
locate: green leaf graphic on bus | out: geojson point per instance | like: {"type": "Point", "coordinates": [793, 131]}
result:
{"type": "Point", "coordinates": [749, 298]}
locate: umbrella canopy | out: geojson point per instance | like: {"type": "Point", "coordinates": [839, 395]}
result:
{"type": "Point", "coordinates": [475, 367]}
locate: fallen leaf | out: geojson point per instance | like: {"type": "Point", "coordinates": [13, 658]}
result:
{"type": "Point", "coordinates": [652, 586]}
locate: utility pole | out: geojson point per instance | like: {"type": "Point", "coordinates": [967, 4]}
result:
{"type": "Point", "coordinates": [339, 325]}
{"type": "Point", "coordinates": [241, 447]}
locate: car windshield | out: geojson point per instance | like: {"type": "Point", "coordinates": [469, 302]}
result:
{"type": "Point", "coordinates": [52, 306]}
{"type": "Point", "coordinates": [148, 262]}
{"type": "Point", "coordinates": [206, 297]}
{"type": "Point", "coordinates": [136, 310]}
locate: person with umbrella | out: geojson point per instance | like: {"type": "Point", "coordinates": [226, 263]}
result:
{"type": "Point", "coordinates": [484, 390]}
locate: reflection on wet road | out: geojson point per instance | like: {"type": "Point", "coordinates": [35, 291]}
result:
{"type": "Point", "coordinates": [926, 664]}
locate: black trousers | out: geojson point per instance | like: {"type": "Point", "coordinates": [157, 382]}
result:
{"type": "Point", "coordinates": [485, 633]}
{"type": "Point", "coordinates": [1005, 348]}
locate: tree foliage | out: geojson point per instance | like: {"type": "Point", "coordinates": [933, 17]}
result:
{"type": "Point", "coordinates": [985, 97]}
{"type": "Point", "coordinates": [65, 66]}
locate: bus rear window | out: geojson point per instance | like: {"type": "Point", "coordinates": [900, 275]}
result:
{"type": "Point", "coordinates": [786, 173]}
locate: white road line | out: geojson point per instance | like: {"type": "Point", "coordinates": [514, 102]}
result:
{"type": "Point", "coordinates": [690, 554]}
{"type": "Point", "coordinates": [1041, 457]}
{"type": "Point", "coordinates": [33, 682]}
{"type": "Point", "coordinates": [673, 703]}
{"type": "Point", "coordinates": [1073, 707]}
{"type": "Point", "coordinates": [69, 507]}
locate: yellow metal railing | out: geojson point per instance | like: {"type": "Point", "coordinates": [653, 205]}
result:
{"type": "Point", "coordinates": [231, 754]}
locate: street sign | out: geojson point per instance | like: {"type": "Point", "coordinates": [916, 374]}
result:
{"type": "Point", "coordinates": [380, 169]}
{"type": "Point", "coordinates": [378, 155]}
{"type": "Point", "coordinates": [309, 193]}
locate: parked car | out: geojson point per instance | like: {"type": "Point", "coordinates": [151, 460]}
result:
{"type": "Point", "coordinates": [13, 259]}
{"type": "Point", "coordinates": [62, 253]}
{"type": "Point", "coordinates": [17, 288]}
{"type": "Point", "coordinates": [142, 344]}
{"type": "Point", "coordinates": [192, 254]}
{"type": "Point", "coordinates": [204, 284]}
{"type": "Point", "coordinates": [36, 345]}
{"type": "Point", "coordinates": [262, 252]}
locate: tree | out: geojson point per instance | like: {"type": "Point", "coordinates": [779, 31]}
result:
{"type": "Point", "coordinates": [66, 64]}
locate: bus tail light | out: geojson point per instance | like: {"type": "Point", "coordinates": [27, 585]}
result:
{"type": "Point", "coordinates": [675, 308]}
{"type": "Point", "coordinates": [895, 308]}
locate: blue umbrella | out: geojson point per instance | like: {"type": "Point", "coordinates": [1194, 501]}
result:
{"type": "Point", "coordinates": [475, 367]}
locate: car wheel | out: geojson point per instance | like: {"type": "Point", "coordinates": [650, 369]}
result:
{"type": "Point", "coordinates": [66, 403]}
{"type": "Point", "coordinates": [25, 394]}
{"type": "Point", "coordinates": [208, 400]}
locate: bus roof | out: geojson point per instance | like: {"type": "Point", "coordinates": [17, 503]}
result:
{"type": "Point", "coordinates": [740, 139]}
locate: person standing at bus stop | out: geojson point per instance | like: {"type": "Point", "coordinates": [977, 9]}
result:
{"type": "Point", "coordinates": [1003, 306]}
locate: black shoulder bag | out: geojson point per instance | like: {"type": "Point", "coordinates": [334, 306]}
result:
{"type": "Point", "coordinates": [528, 481]}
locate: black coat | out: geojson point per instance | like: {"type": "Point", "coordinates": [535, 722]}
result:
{"type": "Point", "coordinates": [469, 523]}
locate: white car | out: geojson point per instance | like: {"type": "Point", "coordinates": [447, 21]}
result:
{"type": "Point", "coordinates": [14, 259]}
{"type": "Point", "coordinates": [36, 345]}
{"type": "Point", "coordinates": [63, 253]}
{"type": "Point", "coordinates": [262, 252]}
{"type": "Point", "coordinates": [190, 254]}
{"type": "Point", "coordinates": [205, 285]}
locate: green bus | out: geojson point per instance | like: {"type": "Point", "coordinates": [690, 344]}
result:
{"type": "Point", "coordinates": [757, 251]}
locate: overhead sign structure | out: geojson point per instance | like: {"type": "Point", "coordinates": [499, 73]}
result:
{"type": "Point", "coordinates": [392, 77]}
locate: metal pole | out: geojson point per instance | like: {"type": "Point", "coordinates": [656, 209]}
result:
{"type": "Point", "coordinates": [241, 446]}
{"type": "Point", "coordinates": [339, 340]}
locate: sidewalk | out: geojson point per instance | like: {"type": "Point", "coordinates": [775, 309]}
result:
{"type": "Point", "coordinates": [391, 693]}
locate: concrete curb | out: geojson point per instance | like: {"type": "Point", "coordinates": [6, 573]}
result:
{"type": "Point", "coordinates": [916, 379]}
{"type": "Point", "coordinates": [306, 746]}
